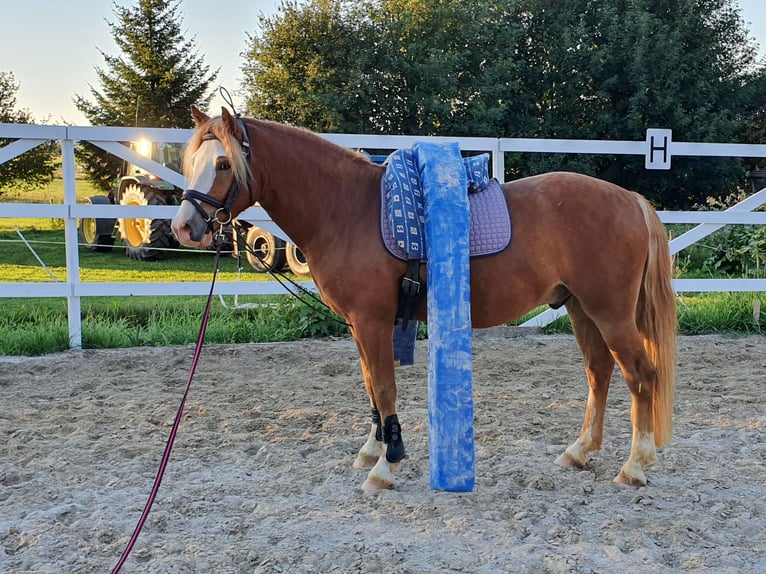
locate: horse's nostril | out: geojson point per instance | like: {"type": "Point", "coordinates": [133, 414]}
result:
{"type": "Point", "coordinates": [194, 233]}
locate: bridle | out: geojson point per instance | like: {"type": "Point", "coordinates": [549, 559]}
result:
{"type": "Point", "coordinates": [222, 215]}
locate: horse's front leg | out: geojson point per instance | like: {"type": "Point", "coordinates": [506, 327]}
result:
{"type": "Point", "coordinates": [374, 448]}
{"type": "Point", "coordinates": [383, 444]}
{"type": "Point", "coordinates": [384, 448]}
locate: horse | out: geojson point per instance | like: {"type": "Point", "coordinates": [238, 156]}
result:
{"type": "Point", "coordinates": [587, 244]}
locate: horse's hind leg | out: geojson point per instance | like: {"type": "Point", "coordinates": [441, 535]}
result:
{"type": "Point", "coordinates": [599, 365]}
{"type": "Point", "coordinates": [628, 349]}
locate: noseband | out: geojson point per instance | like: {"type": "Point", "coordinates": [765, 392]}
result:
{"type": "Point", "coordinates": [222, 214]}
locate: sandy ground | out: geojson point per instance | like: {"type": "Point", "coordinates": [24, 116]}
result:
{"type": "Point", "coordinates": [261, 480]}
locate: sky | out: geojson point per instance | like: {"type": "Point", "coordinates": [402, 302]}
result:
{"type": "Point", "coordinates": [53, 46]}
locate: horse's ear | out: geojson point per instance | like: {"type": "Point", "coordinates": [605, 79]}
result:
{"type": "Point", "coordinates": [199, 117]}
{"type": "Point", "coordinates": [231, 124]}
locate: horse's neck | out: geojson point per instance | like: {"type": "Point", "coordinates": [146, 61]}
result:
{"type": "Point", "coordinates": [307, 183]}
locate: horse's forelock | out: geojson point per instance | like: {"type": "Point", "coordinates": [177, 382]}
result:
{"type": "Point", "coordinates": [231, 146]}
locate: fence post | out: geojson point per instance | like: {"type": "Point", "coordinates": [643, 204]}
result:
{"type": "Point", "coordinates": [450, 391]}
{"type": "Point", "coordinates": [74, 310]}
{"type": "Point", "coordinates": [498, 163]}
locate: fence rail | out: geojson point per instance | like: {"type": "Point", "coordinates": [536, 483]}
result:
{"type": "Point", "coordinates": [658, 149]}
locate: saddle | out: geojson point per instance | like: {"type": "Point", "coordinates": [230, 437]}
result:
{"type": "Point", "coordinates": [402, 220]}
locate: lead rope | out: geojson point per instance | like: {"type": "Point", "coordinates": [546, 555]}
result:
{"type": "Point", "coordinates": [177, 421]}
{"type": "Point", "coordinates": [323, 310]}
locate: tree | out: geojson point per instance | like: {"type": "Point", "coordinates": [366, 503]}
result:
{"type": "Point", "coordinates": [153, 83]}
{"type": "Point", "coordinates": [394, 66]}
{"type": "Point", "coordinates": [35, 167]}
{"type": "Point", "coordinates": [443, 66]}
{"type": "Point", "coordinates": [585, 69]}
{"type": "Point", "coordinates": [611, 69]}
{"type": "Point", "coordinates": [304, 67]}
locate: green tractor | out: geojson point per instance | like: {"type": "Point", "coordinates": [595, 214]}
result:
{"type": "Point", "coordinates": [147, 239]}
{"type": "Point", "coordinates": [144, 239]}
{"type": "Point", "coordinates": [266, 252]}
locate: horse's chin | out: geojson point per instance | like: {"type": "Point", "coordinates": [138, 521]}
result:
{"type": "Point", "coordinates": [203, 243]}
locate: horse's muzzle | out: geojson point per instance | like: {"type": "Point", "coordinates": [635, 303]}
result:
{"type": "Point", "coordinates": [190, 228]}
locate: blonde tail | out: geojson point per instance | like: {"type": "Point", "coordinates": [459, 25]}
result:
{"type": "Point", "coordinates": [656, 316]}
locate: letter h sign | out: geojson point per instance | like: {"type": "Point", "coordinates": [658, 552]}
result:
{"type": "Point", "coordinates": [658, 148]}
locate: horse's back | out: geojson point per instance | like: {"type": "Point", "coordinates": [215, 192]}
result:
{"type": "Point", "coordinates": [555, 192]}
{"type": "Point", "coordinates": [572, 210]}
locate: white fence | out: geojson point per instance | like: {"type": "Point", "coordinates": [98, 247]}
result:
{"type": "Point", "coordinates": [658, 149]}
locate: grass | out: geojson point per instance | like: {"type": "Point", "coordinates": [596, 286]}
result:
{"type": "Point", "coordinates": [736, 313]}
{"type": "Point", "coordinates": [18, 263]}
{"type": "Point", "coordinates": [53, 192]}
{"type": "Point", "coordinates": [39, 326]}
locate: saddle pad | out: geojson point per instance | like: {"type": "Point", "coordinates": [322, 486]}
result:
{"type": "Point", "coordinates": [490, 224]}
{"type": "Point", "coordinates": [403, 192]}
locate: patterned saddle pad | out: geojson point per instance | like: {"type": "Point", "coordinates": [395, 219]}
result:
{"type": "Point", "coordinates": [401, 208]}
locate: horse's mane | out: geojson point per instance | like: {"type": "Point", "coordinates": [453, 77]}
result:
{"type": "Point", "coordinates": [216, 127]}
{"type": "Point", "coordinates": [311, 137]}
{"type": "Point", "coordinates": [239, 166]}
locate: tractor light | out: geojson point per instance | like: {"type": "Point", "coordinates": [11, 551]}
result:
{"type": "Point", "coordinates": [144, 147]}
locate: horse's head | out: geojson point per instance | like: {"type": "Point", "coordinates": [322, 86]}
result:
{"type": "Point", "coordinates": [216, 165]}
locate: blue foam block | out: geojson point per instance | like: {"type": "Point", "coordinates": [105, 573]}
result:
{"type": "Point", "coordinates": [450, 388]}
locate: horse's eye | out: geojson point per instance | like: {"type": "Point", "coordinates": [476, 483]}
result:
{"type": "Point", "coordinates": [224, 166]}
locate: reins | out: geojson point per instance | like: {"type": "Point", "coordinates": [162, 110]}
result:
{"type": "Point", "coordinates": [177, 421]}
{"type": "Point", "coordinates": [281, 278]}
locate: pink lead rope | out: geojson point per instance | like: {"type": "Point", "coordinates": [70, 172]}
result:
{"type": "Point", "coordinates": [176, 422]}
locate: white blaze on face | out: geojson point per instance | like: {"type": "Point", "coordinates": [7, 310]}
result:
{"type": "Point", "coordinates": [203, 165]}
{"type": "Point", "coordinates": [201, 179]}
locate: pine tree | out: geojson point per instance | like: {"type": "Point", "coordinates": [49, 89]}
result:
{"type": "Point", "coordinates": [154, 81]}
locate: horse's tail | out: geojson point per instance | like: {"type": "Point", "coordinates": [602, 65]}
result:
{"type": "Point", "coordinates": [656, 316]}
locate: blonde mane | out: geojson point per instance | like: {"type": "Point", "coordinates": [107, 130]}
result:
{"type": "Point", "coordinates": [216, 127]}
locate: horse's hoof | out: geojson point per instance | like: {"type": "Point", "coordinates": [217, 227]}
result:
{"type": "Point", "coordinates": [568, 461]}
{"type": "Point", "coordinates": [381, 477]}
{"type": "Point", "coordinates": [372, 485]}
{"type": "Point", "coordinates": [365, 461]}
{"type": "Point", "coordinates": [627, 480]}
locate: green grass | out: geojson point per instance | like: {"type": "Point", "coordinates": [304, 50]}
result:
{"type": "Point", "coordinates": [52, 192]}
{"type": "Point", "coordinates": [722, 313]}
{"type": "Point", "coordinates": [39, 326]}
{"type": "Point", "coordinates": [18, 263]}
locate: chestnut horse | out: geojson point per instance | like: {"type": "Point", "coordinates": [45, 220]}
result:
{"type": "Point", "coordinates": [577, 241]}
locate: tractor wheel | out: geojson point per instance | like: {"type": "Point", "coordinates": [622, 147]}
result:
{"type": "Point", "coordinates": [97, 234]}
{"type": "Point", "coordinates": [296, 261]}
{"type": "Point", "coordinates": [145, 239]}
{"type": "Point", "coordinates": [264, 251]}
